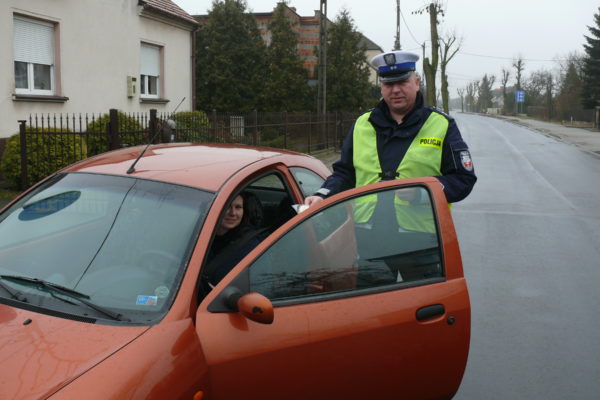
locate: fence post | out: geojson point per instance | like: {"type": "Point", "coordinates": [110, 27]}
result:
{"type": "Point", "coordinates": [152, 126]}
{"type": "Point", "coordinates": [336, 128]}
{"type": "Point", "coordinates": [113, 129]}
{"type": "Point", "coordinates": [255, 128]}
{"type": "Point", "coordinates": [22, 132]}
{"type": "Point", "coordinates": [309, 130]}
{"type": "Point", "coordinates": [326, 133]}
{"type": "Point", "coordinates": [285, 131]}
{"type": "Point", "coordinates": [213, 128]}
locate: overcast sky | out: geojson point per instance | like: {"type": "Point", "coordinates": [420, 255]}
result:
{"type": "Point", "coordinates": [493, 32]}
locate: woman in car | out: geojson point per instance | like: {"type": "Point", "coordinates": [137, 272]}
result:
{"type": "Point", "coordinates": [236, 236]}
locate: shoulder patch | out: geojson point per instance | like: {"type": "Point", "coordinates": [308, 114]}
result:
{"type": "Point", "coordinates": [465, 160]}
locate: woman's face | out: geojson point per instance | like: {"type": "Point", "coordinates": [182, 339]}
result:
{"type": "Point", "coordinates": [233, 216]}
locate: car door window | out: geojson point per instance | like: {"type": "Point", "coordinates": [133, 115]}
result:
{"type": "Point", "coordinates": [308, 181]}
{"type": "Point", "coordinates": [377, 240]}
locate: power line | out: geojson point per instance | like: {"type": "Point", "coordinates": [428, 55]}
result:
{"type": "Point", "coordinates": [409, 31]}
{"type": "Point", "coordinates": [511, 58]}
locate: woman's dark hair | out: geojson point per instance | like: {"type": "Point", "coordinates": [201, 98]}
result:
{"type": "Point", "coordinates": [253, 213]}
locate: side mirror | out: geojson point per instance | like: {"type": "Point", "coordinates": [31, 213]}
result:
{"type": "Point", "coordinates": [253, 306]}
{"type": "Point", "coordinates": [256, 307]}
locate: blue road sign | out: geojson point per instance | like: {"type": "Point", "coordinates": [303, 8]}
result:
{"type": "Point", "coordinates": [520, 96]}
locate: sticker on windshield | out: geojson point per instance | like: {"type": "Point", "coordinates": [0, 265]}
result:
{"type": "Point", "coordinates": [161, 292]}
{"type": "Point", "coordinates": [146, 300]}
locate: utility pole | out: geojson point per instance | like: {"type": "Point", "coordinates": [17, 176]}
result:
{"type": "Point", "coordinates": [322, 78]}
{"type": "Point", "coordinates": [397, 42]}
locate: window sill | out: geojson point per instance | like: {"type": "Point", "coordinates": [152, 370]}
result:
{"type": "Point", "coordinates": [153, 101]}
{"type": "Point", "coordinates": [39, 98]}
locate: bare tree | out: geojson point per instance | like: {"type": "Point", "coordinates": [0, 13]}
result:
{"type": "Point", "coordinates": [505, 77]}
{"type": "Point", "coordinates": [461, 94]}
{"type": "Point", "coordinates": [485, 92]}
{"type": "Point", "coordinates": [540, 91]}
{"type": "Point", "coordinates": [430, 66]}
{"type": "Point", "coordinates": [519, 66]}
{"type": "Point", "coordinates": [446, 54]}
{"type": "Point", "coordinates": [549, 96]}
{"type": "Point", "coordinates": [472, 89]}
{"type": "Point", "coordinates": [569, 85]}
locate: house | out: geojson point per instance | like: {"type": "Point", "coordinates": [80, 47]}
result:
{"type": "Point", "coordinates": [371, 50]}
{"type": "Point", "coordinates": [87, 56]}
{"type": "Point", "coordinates": [308, 30]}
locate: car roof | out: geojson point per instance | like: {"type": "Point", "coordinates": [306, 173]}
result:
{"type": "Point", "coordinates": [205, 166]}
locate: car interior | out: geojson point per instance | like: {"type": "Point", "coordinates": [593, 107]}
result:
{"type": "Point", "coordinates": [273, 201]}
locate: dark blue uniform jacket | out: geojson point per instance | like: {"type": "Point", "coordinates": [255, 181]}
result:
{"type": "Point", "coordinates": [393, 140]}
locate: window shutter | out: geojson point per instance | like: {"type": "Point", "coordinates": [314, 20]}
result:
{"type": "Point", "coordinates": [33, 41]}
{"type": "Point", "coordinates": [150, 60]}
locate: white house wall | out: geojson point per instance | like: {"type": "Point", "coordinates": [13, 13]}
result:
{"type": "Point", "coordinates": [99, 47]}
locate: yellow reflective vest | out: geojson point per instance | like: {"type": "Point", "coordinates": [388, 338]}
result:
{"type": "Point", "coordinates": [423, 158]}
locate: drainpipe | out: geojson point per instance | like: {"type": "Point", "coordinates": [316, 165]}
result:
{"type": "Point", "coordinates": [193, 61]}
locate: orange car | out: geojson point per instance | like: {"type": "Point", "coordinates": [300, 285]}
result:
{"type": "Point", "coordinates": [100, 288]}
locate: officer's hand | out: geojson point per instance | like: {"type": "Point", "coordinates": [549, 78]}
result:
{"type": "Point", "coordinates": [312, 200]}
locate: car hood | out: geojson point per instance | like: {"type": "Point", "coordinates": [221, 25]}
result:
{"type": "Point", "coordinates": [41, 353]}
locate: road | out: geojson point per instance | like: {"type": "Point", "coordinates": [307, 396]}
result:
{"type": "Point", "coordinates": [530, 241]}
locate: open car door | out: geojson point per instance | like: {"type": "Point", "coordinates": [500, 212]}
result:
{"type": "Point", "coordinates": [362, 296]}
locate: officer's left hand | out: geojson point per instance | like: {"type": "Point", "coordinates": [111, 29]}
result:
{"type": "Point", "coordinates": [312, 200]}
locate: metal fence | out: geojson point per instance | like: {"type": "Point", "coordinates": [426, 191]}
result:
{"type": "Point", "coordinates": [574, 115]}
{"type": "Point", "coordinates": [50, 142]}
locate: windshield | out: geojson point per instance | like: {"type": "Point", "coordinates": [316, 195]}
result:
{"type": "Point", "coordinates": [121, 241]}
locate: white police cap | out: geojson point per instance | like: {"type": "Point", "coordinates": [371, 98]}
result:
{"type": "Point", "coordinates": [395, 65]}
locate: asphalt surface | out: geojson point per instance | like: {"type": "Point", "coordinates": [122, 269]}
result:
{"type": "Point", "coordinates": [529, 235]}
{"type": "Point", "coordinates": [586, 139]}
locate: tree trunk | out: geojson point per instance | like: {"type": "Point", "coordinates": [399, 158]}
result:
{"type": "Point", "coordinates": [431, 68]}
{"type": "Point", "coordinates": [445, 95]}
{"type": "Point", "coordinates": [430, 99]}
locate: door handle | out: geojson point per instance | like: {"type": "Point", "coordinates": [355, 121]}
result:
{"type": "Point", "coordinates": [428, 312]}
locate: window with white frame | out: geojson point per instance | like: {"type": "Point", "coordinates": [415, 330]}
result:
{"type": "Point", "coordinates": [34, 56]}
{"type": "Point", "coordinates": [150, 71]}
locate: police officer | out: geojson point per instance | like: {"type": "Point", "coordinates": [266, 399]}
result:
{"type": "Point", "coordinates": [401, 138]}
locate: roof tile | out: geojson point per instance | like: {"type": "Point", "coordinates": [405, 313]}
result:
{"type": "Point", "coordinates": [170, 8]}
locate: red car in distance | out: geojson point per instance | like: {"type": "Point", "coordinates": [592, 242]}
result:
{"type": "Point", "coordinates": [101, 292]}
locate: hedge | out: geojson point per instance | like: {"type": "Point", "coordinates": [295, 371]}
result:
{"type": "Point", "coordinates": [97, 139]}
{"type": "Point", "coordinates": [47, 152]}
{"type": "Point", "coordinates": [192, 126]}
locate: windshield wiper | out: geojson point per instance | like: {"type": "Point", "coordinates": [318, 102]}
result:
{"type": "Point", "coordinates": [43, 283]}
{"type": "Point", "coordinates": [15, 294]}
{"type": "Point", "coordinates": [53, 287]}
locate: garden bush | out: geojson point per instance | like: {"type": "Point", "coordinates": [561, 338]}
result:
{"type": "Point", "coordinates": [272, 137]}
{"type": "Point", "coordinates": [192, 126]}
{"type": "Point", "coordinates": [131, 133]}
{"type": "Point", "coordinates": [48, 150]}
